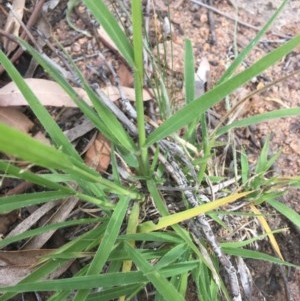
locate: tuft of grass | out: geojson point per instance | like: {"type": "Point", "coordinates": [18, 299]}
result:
{"type": "Point", "coordinates": [128, 251]}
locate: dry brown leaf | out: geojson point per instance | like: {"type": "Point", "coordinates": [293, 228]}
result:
{"type": "Point", "coordinates": [32, 219]}
{"type": "Point", "coordinates": [98, 155]}
{"type": "Point", "coordinates": [79, 130]}
{"type": "Point", "coordinates": [60, 215]}
{"type": "Point", "coordinates": [51, 94]}
{"type": "Point", "coordinates": [44, 27]}
{"type": "Point", "coordinates": [6, 220]}
{"type": "Point", "coordinates": [107, 40]}
{"type": "Point", "coordinates": [16, 265]}
{"type": "Point", "coordinates": [202, 77]}
{"type": "Point", "coordinates": [125, 75]}
{"type": "Point", "coordinates": [14, 118]}
{"type": "Point", "coordinates": [47, 91]}
{"type": "Point", "coordinates": [112, 93]}
{"type": "Point", "coordinates": [42, 138]}
{"type": "Point", "coordinates": [12, 25]}
{"type": "Point", "coordinates": [50, 5]}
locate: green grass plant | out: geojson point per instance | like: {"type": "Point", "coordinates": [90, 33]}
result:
{"type": "Point", "coordinates": [127, 256]}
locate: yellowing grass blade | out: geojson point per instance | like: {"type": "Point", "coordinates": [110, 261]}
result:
{"type": "Point", "coordinates": [190, 213]}
{"type": "Point", "coordinates": [268, 230]}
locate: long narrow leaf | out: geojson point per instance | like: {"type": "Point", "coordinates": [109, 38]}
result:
{"type": "Point", "coordinates": [289, 213]}
{"type": "Point", "coordinates": [175, 218]}
{"type": "Point", "coordinates": [115, 292]}
{"type": "Point", "coordinates": [22, 200]}
{"type": "Point", "coordinates": [243, 243]}
{"type": "Point", "coordinates": [107, 280]}
{"type": "Point", "coordinates": [171, 256]}
{"type": "Point", "coordinates": [21, 145]}
{"type": "Point", "coordinates": [189, 72]}
{"type": "Point", "coordinates": [266, 227]}
{"type": "Point", "coordinates": [11, 170]}
{"type": "Point", "coordinates": [77, 245]}
{"type": "Point", "coordinates": [200, 105]}
{"type": "Point", "coordinates": [107, 243]}
{"type": "Point", "coordinates": [282, 113]}
{"type": "Point", "coordinates": [256, 255]}
{"type": "Point", "coordinates": [46, 228]}
{"type": "Point", "coordinates": [136, 7]}
{"type": "Point", "coordinates": [164, 287]}
{"type": "Point", "coordinates": [44, 117]}
{"type": "Point", "coordinates": [251, 45]}
{"type": "Point", "coordinates": [106, 121]}
{"type": "Point", "coordinates": [111, 26]}
{"type": "Point", "coordinates": [80, 283]}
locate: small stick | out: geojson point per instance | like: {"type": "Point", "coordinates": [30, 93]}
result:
{"type": "Point", "coordinates": [118, 113]}
{"type": "Point", "coordinates": [32, 20]}
{"type": "Point", "coordinates": [175, 171]}
{"type": "Point", "coordinates": [211, 21]}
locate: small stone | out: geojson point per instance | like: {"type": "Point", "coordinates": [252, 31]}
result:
{"type": "Point", "coordinates": [81, 9]}
{"type": "Point", "coordinates": [194, 7]}
{"type": "Point", "coordinates": [206, 47]}
{"type": "Point", "coordinates": [76, 47]}
{"type": "Point", "coordinates": [203, 18]}
{"type": "Point", "coordinates": [196, 17]}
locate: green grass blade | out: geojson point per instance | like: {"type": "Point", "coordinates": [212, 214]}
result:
{"type": "Point", "coordinates": [245, 168]}
{"type": "Point", "coordinates": [107, 243]}
{"type": "Point", "coordinates": [289, 213]}
{"type": "Point", "coordinates": [107, 280]}
{"type": "Point", "coordinates": [243, 243]}
{"type": "Point", "coordinates": [179, 268]}
{"type": "Point", "coordinates": [11, 170]}
{"type": "Point", "coordinates": [164, 287]}
{"type": "Point", "coordinates": [44, 117]}
{"type": "Point", "coordinates": [256, 255]}
{"type": "Point", "coordinates": [153, 236]}
{"type": "Point", "coordinates": [111, 26]}
{"type": "Point", "coordinates": [105, 121]}
{"type": "Point", "coordinates": [251, 45]}
{"type": "Point", "coordinates": [79, 244]}
{"type": "Point", "coordinates": [174, 254]}
{"type": "Point", "coordinates": [46, 228]}
{"type": "Point", "coordinates": [189, 72]}
{"type": "Point", "coordinates": [80, 283]}
{"type": "Point", "coordinates": [110, 236]}
{"type": "Point", "coordinates": [21, 145]}
{"type": "Point", "coordinates": [200, 105]}
{"type": "Point", "coordinates": [22, 200]}
{"type": "Point", "coordinates": [263, 157]}
{"type": "Point", "coordinates": [137, 25]}
{"type": "Point", "coordinates": [182, 233]}
{"type": "Point", "coordinates": [259, 118]}
{"type": "Point", "coordinates": [111, 127]}
{"type": "Point", "coordinates": [113, 293]}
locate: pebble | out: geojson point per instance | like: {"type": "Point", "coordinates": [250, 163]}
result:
{"type": "Point", "coordinates": [196, 20]}
{"type": "Point", "coordinates": [194, 7]}
{"type": "Point", "coordinates": [76, 47]}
